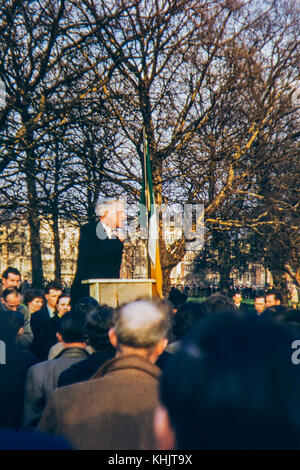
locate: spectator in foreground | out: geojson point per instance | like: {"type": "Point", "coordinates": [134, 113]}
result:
{"type": "Point", "coordinates": [241, 306]}
{"type": "Point", "coordinates": [259, 304]}
{"type": "Point", "coordinates": [176, 298]}
{"type": "Point", "coordinates": [14, 363]}
{"type": "Point", "coordinates": [114, 409]}
{"type": "Point", "coordinates": [275, 310]}
{"type": "Point", "coordinates": [11, 299]}
{"type": "Point", "coordinates": [42, 378]}
{"type": "Point", "coordinates": [11, 277]}
{"type": "Point", "coordinates": [62, 306]}
{"type": "Point", "coordinates": [11, 302]}
{"type": "Point", "coordinates": [44, 323]}
{"type": "Point", "coordinates": [185, 318]}
{"type": "Point", "coordinates": [33, 300]}
{"type": "Point", "coordinates": [219, 302]}
{"type": "Point", "coordinates": [238, 388]}
{"type": "Point", "coordinates": [273, 298]}
{"type": "Point", "coordinates": [86, 305]}
{"type": "Point", "coordinates": [97, 325]}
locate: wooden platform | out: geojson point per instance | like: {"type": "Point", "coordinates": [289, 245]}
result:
{"type": "Point", "coordinates": [115, 292]}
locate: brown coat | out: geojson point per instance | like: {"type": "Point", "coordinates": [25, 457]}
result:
{"type": "Point", "coordinates": [111, 411]}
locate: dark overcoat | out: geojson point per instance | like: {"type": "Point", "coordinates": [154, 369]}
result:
{"type": "Point", "coordinates": [98, 258]}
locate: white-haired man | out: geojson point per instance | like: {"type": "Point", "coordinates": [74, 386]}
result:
{"type": "Point", "coordinates": [100, 247]}
{"type": "Point", "coordinates": [115, 408]}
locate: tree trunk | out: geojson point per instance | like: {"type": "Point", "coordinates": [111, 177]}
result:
{"type": "Point", "coordinates": [34, 237]}
{"type": "Point", "coordinates": [56, 239]}
{"type": "Point", "coordinates": [33, 212]}
{"type": "Point", "coordinates": [169, 258]}
{"type": "Point", "coordinates": [224, 279]}
{"type": "Point", "coordinates": [222, 242]}
{"type": "Point", "coordinates": [55, 217]}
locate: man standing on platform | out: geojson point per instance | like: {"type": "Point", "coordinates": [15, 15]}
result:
{"type": "Point", "coordinates": [100, 247]}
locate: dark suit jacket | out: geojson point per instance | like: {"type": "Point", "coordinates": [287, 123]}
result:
{"type": "Point", "coordinates": [44, 330]}
{"type": "Point", "coordinates": [84, 370]}
{"type": "Point", "coordinates": [243, 309]}
{"type": "Point", "coordinates": [97, 259]}
{"type": "Point", "coordinates": [277, 312]}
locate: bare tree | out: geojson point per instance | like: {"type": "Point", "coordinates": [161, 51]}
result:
{"type": "Point", "coordinates": [48, 65]}
{"type": "Point", "coordinates": [206, 80]}
{"type": "Point", "coordinates": [209, 81]}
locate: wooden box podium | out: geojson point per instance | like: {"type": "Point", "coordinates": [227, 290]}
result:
{"type": "Point", "coordinates": [115, 292]}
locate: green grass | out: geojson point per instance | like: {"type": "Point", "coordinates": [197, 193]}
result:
{"type": "Point", "coordinates": [249, 302]}
{"type": "Point", "coordinates": [196, 299]}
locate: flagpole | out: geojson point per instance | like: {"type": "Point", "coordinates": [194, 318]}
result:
{"type": "Point", "coordinates": [148, 262]}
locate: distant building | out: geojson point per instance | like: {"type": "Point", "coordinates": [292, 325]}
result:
{"type": "Point", "coordinates": [15, 248]}
{"type": "Point", "coordinates": [15, 251]}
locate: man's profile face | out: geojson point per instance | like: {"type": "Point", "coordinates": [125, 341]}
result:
{"type": "Point", "coordinates": [115, 216]}
{"type": "Point", "coordinates": [52, 297]}
{"type": "Point", "coordinates": [259, 304]}
{"type": "Point", "coordinates": [12, 280]}
{"type": "Point", "coordinates": [12, 302]}
{"type": "Point", "coordinates": [271, 301]}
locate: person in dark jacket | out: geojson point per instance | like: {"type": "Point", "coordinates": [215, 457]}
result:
{"type": "Point", "coordinates": [100, 248]}
{"type": "Point", "coordinates": [97, 324]}
{"type": "Point", "coordinates": [242, 308]}
{"type": "Point", "coordinates": [42, 378]}
{"type": "Point", "coordinates": [44, 323]}
{"type": "Point", "coordinates": [14, 363]}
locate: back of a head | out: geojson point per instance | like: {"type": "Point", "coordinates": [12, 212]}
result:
{"type": "Point", "coordinates": [293, 316]}
{"type": "Point", "coordinates": [71, 327]}
{"type": "Point", "coordinates": [233, 386]}
{"type": "Point", "coordinates": [10, 291]}
{"type": "Point", "coordinates": [276, 313]}
{"type": "Point", "coordinates": [187, 316]}
{"type": "Point", "coordinates": [86, 305]}
{"type": "Point", "coordinates": [219, 302]}
{"type": "Point", "coordinates": [142, 323]}
{"type": "Point", "coordinates": [53, 285]}
{"type": "Point", "coordinates": [276, 293]}
{"type": "Point", "coordinates": [32, 294]}
{"type": "Point", "coordinates": [97, 324]}
{"type": "Point", "coordinates": [176, 297]}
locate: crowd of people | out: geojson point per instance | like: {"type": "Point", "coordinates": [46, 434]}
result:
{"type": "Point", "coordinates": [151, 374]}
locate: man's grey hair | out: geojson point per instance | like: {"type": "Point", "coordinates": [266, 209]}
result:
{"type": "Point", "coordinates": [142, 323]}
{"type": "Point", "coordinates": [104, 205]}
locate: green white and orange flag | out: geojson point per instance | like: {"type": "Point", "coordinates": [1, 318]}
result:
{"type": "Point", "coordinates": [147, 200]}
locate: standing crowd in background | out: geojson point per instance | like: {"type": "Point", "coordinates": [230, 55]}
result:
{"type": "Point", "coordinates": [170, 373]}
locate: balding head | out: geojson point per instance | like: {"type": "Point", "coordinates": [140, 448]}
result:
{"type": "Point", "coordinates": [142, 323]}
